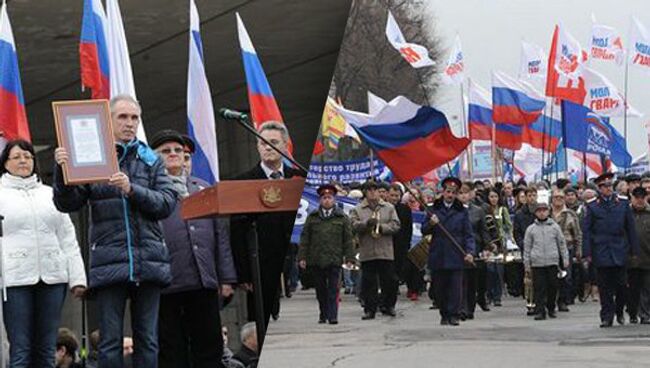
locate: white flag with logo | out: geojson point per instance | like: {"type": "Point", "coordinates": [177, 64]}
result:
{"type": "Point", "coordinates": [414, 54]}
{"type": "Point", "coordinates": [603, 97]}
{"type": "Point", "coordinates": [533, 61]}
{"type": "Point", "coordinates": [454, 72]}
{"type": "Point", "coordinates": [606, 44]}
{"type": "Point", "coordinates": [639, 45]}
{"type": "Point", "coordinates": [569, 56]}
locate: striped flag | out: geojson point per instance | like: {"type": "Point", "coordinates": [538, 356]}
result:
{"type": "Point", "coordinates": [513, 101]}
{"type": "Point", "coordinates": [93, 52]}
{"type": "Point", "coordinates": [200, 112]}
{"type": "Point", "coordinates": [13, 118]}
{"type": "Point", "coordinates": [118, 58]}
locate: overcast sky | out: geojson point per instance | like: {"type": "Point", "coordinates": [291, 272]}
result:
{"type": "Point", "coordinates": [491, 32]}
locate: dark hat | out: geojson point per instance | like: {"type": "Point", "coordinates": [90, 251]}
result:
{"type": "Point", "coordinates": [570, 189]}
{"type": "Point", "coordinates": [639, 192]}
{"type": "Point", "coordinates": [369, 184]}
{"type": "Point", "coordinates": [540, 205]}
{"type": "Point", "coordinates": [164, 136]}
{"type": "Point", "coordinates": [384, 185]}
{"type": "Point", "coordinates": [326, 189]}
{"type": "Point", "coordinates": [603, 177]}
{"type": "Point", "coordinates": [632, 177]}
{"type": "Point", "coordinates": [188, 143]}
{"type": "Point", "coordinates": [561, 183]}
{"type": "Point", "coordinates": [452, 182]}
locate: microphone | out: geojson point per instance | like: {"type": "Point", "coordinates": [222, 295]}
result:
{"type": "Point", "coordinates": [233, 114]}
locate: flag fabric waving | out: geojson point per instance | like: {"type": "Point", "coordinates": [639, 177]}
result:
{"type": "Point", "coordinates": [454, 72]}
{"type": "Point", "coordinates": [13, 118]}
{"type": "Point", "coordinates": [334, 127]}
{"type": "Point", "coordinates": [639, 45]}
{"type": "Point", "coordinates": [479, 113]}
{"type": "Point", "coordinates": [533, 61]}
{"type": "Point", "coordinates": [514, 102]}
{"type": "Point", "coordinates": [586, 131]}
{"type": "Point", "coordinates": [565, 59]}
{"type": "Point", "coordinates": [414, 54]}
{"type": "Point", "coordinates": [544, 133]}
{"type": "Point", "coordinates": [603, 97]}
{"type": "Point", "coordinates": [508, 136]}
{"type": "Point", "coordinates": [606, 44]}
{"type": "Point", "coordinates": [411, 139]}
{"type": "Point", "coordinates": [93, 51]}
{"type": "Point", "coordinates": [119, 61]}
{"type": "Point", "coordinates": [200, 112]}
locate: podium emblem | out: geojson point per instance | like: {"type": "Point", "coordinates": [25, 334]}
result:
{"type": "Point", "coordinates": [271, 196]}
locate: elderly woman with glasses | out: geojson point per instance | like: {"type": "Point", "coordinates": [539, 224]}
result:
{"type": "Point", "coordinates": [40, 259]}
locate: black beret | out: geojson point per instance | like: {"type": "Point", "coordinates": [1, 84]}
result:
{"type": "Point", "coordinates": [164, 136]}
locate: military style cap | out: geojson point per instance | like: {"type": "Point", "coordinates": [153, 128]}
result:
{"type": "Point", "coordinates": [632, 177]}
{"type": "Point", "coordinates": [451, 182]}
{"type": "Point", "coordinates": [608, 176]}
{"type": "Point", "coordinates": [326, 189]}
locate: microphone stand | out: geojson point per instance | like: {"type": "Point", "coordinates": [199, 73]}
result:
{"type": "Point", "coordinates": [244, 122]}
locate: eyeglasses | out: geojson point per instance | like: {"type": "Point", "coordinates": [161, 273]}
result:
{"type": "Point", "coordinates": [167, 151]}
{"type": "Point", "coordinates": [26, 157]}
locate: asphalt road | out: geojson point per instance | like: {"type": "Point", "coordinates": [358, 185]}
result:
{"type": "Point", "coordinates": [502, 337]}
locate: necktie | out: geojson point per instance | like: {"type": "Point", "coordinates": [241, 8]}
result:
{"type": "Point", "coordinates": [276, 175]}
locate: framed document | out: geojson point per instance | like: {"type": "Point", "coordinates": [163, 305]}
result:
{"type": "Point", "coordinates": [85, 130]}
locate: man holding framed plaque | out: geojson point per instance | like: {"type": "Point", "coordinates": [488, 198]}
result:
{"type": "Point", "coordinates": [129, 259]}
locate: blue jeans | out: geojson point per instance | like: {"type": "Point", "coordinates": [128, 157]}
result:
{"type": "Point", "coordinates": [32, 315]}
{"type": "Point", "coordinates": [494, 281]}
{"type": "Point", "coordinates": [145, 300]}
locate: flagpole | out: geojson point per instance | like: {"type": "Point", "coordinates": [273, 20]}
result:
{"type": "Point", "coordinates": [494, 153]}
{"type": "Point", "coordinates": [372, 163]}
{"type": "Point", "coordinates": [464, 131]}
{"type": "Point", "coordinates": [584, 167]}
{"type": "Point", "coordinates": [625, 107]}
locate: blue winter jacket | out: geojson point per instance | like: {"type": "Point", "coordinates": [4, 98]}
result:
{"type": "Point", "coordinates": [608, 231]}
{"type": "Point", "coordinates": [443, 254]}
{"type": "Point", "coordinates": [126, 239]}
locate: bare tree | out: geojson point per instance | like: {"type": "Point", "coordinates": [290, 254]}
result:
{"type": "Point", "coordinates": [367, 61]}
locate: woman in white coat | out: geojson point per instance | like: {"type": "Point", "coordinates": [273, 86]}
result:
{"type": "Point", "coordinates": [40, 259]}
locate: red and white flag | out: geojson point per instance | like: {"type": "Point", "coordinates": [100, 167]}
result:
{"type": "Point", "coordinates": [639, 45]}
{"type": "Point", "coordinates": [603, 97]}
{"type": "Point", "coordinates": [606, 44]}
{"type": "Point", "coordinates": [454, 72]}
{"type": "Point", "coordinates": [565, 61]}
{"type": "Point", "coordinates": [414, 54]}
{"type": "Point", "coordinates": [533, 61]}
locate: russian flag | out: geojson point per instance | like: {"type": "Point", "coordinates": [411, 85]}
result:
{"type": "Point", "coordinates": [93, 50]}
{"type": "Point", "coordinates": [508, 136]}
{"type": "Point", "coordinates": [13, 118]}
{"type": "Point", "coordinates": [545, 133]}
{"type": "Point", "coordinates": [411, 139]}
{"type": "Point", "coordinates": [200, 112]}
{"type": "Point", "coordinates": [479, 113]}
{"type": "Point", "coordinates": [514, 102]}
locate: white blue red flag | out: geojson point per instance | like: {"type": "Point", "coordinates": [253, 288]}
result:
{"type": "Point", "coordinates": [410, 139]}
{"type": "Point", "coordinates": [639, 45]}
{"type": "Point", "coordinates": [200, 112]}
{"type": "Point", "coordinates": [479, 113]}
{"type": "Point", "coordinates": [119, 61]}
{"type": "Point", "coordinates": [514, 102]}
{"type": "Point", "coordinates": [93, 50]}
{"type": "Point", "coordinates": [606, 44]}
{"type": "Point", "coordinates": [454, 72]}
{"type": "Point", "coordinates": [13, 118]}
{"type": "Point", "coordinates": [414, 54]}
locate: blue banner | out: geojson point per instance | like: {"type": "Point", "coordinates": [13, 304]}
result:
{"type": "Point", "coordinates": [344, 172]}
{"type": "Point", "coordinates": [310, 201]}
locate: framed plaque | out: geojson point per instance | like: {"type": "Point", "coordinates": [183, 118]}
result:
{"type": "Point", "coordinates": [85, 130]}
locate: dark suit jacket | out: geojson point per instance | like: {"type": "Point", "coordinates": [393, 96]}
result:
{"type": "Point", "coordinates": [273, 230]}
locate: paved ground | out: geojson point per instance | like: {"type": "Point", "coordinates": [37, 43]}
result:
{"type": "Point", "coordinates": [503, 337]}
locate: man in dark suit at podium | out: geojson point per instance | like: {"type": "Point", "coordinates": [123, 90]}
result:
{"type": "Point", "coordinates": [273, 229]}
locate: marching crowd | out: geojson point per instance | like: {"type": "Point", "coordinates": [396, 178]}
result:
{"type": "Point", "coordinates": [176, 273]}
{"type": "Point", "coordinates": [546, 243]}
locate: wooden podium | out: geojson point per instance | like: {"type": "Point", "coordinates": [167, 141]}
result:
{"type": "Point", "coordinates": [247, 197]}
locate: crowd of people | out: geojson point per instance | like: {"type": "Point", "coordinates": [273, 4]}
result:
{"type": "Point", "coordinates": [546, 243]}
{"type": "Point", "coordinates": [177, 274]}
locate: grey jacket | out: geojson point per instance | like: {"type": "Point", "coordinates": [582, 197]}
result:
{"type": "Point", "coordinates": [370, 248]}
{"type": "Point", "coordinates": [543, 244]}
